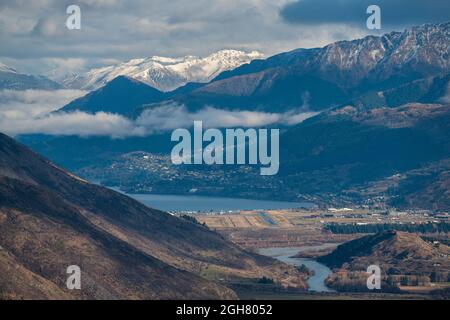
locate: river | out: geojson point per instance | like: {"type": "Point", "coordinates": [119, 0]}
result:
{"type": "Point", "coordinates": [321, 271]}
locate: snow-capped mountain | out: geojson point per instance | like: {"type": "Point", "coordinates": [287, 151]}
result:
{"type": "Point", "coordinates": [13, 80]}
{"type": "Point", "coordinates": [162, 73]}
{"type": "Point", "coordinates": [338, 72]}
{"type": "Point", "coordinates": [5, 68]}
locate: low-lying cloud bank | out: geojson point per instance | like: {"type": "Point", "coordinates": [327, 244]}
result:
{"type": "Point", "coordinates": [32, 103]}
{"type": "Point", "coordinates": [172, 116]}
{"type": "Point", "coordinates": [74, 123]}
{"type": "Point", "coordinates": [29, 112]}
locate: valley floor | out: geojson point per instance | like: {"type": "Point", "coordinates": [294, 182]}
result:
{"type": "Point", "coordinates": [302, 227]}
{"type": "Point", "coordinates": [305, 228]}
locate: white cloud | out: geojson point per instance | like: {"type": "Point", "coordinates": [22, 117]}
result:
{"type": "Point", "coordinates": [33, 103]}
{"type": "Point", "coordinates": [173, 116]}
{"type": "Point", "coordinates": [30, 112]}
{"type": "Point", "coordinates": [75, 123]}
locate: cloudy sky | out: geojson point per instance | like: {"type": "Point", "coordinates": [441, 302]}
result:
{"type": "Point", "coordinates": [35, 40]}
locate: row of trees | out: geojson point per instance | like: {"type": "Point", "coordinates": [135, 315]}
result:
{"type": "Point", "coordinates": [381, 227]}
{"type": "Point", "coordinates": [193, 220]}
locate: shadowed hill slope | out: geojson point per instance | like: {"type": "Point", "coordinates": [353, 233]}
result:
{"type": "Point", "coordinates": [50, 219]}
{"type": "Point", "coordinates": [121, 95]}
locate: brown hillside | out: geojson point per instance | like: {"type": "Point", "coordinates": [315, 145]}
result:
{"type": "Point", "coordinates": [404, 258]}
{"type": "Point", "coordinates": [50, 219]}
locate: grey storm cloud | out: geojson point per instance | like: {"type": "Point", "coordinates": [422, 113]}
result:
{"type": "Point", "coordinates": [34, 38]}
{"type": "Point", "coordinates": [399, 13]}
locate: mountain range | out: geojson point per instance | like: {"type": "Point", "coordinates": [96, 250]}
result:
{"type": "Point", "coordinates": [379, 157]}
{"type": "Point", "coordinates": [122, 95]}
{"type": "Point", "coordinates": [343, 70]}
{"type": "Point", "coordinates": [357, 152]}
{"type": "Point", "coordinates": [51, 219]}
{"type": "Point", "coordinates": [391, 70]}
{"type": "Point", "coordinates": [164, 74]}
{"type": "Point", "coordinates": [383, 104]}
{"type": "Point", "coordinates": [13, 80]}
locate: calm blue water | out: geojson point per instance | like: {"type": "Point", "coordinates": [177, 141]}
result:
{"type": "Point", "coordinates": [206, 204]}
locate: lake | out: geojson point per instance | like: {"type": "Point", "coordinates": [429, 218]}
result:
{"type": "Point", "coordinates": [321, 271]}
{"type": "Point", "coordinates": [192, 203]}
